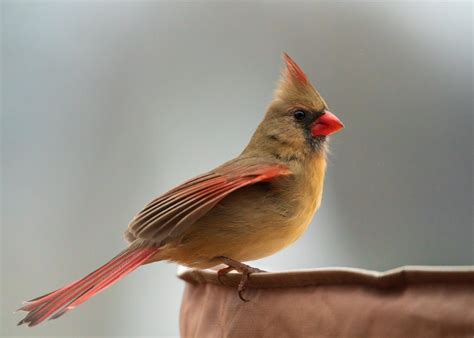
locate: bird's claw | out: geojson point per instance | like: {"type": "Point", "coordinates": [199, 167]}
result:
{"type": "Point", "coordinates": [242, 297]}
{"type": "Point", "coordinates": [244, 269]}
{"type": "Point", "coordinates": [242, 286]}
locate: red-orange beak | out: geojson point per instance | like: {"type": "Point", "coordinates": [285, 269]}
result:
{"type": "Point", "coordinates": [326, 124]}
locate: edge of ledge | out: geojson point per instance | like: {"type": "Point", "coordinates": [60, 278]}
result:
{"type": "Point", "coordinates": [398, 277]}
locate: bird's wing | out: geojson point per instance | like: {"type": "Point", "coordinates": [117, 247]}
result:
{"type": "Point", "coordinates": [170, 214]}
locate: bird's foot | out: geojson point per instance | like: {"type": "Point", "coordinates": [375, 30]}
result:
{"type": "Point", "coordinates": [244, 269]}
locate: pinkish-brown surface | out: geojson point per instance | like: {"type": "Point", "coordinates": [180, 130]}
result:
{"type": "Point", "coordinates": [407, 302]}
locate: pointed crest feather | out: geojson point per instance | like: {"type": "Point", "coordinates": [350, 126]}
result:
{"type": "Point", "coordinates": [293, 71]}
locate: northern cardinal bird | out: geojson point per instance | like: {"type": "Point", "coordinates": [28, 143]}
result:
{"type": "Point", "coordinates": [245, 209]}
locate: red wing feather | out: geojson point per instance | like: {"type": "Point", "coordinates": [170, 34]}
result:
{"type": "Point", "coordinates": [168, 215]}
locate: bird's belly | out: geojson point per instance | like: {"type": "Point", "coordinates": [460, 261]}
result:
{"type": "Point", "coordinates": [272, 236]}
{"type": "Point", "coordinates": [245, 241]}
{"type": "Point", "coordinates": [271, 239]}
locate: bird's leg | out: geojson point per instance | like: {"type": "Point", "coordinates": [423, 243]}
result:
{"type": "Point", "coordinates": [244, 269]}
{"type": "Point", "coordinates": [223, 272]}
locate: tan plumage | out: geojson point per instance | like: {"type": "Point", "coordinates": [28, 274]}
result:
{"type": "Point", "coordinates": [248, 208]}
{"type": "Point", "coordinates": [257, 221]}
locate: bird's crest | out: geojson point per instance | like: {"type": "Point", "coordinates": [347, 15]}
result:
{"type": "Point", "coordinates": [294, 86]}
{"type": "Point", "coordinates": [293, 72]}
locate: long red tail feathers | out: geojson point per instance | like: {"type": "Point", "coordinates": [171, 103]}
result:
{"type": "Point", "coordinates": [54, 304]}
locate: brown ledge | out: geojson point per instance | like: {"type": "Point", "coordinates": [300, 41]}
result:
{"type": "Point", "coordinates": [402, 276]}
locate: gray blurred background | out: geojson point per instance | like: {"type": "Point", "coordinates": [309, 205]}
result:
{"type": "Point", "coordinates": [108, 104]}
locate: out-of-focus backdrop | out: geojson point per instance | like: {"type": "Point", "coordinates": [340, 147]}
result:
{"type": "Point", "coordinates": [107, 104]}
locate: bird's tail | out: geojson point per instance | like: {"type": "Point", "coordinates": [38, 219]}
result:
{"type": "Point", "coordinates": [54, 304]}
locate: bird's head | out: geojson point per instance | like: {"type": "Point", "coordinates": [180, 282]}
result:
{"type": "Point", "coordinates": [298, 121]}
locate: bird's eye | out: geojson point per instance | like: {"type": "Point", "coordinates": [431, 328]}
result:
{"type": "Point", "coordinates": [299, 115]}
